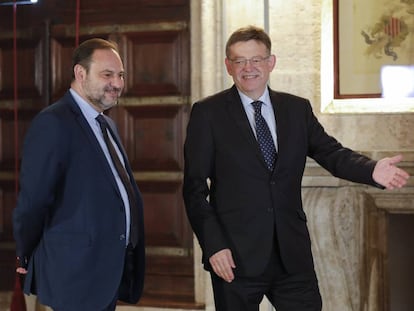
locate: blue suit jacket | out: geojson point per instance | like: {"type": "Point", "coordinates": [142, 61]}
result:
{"type": "Point", "coordinates": [70, 219]}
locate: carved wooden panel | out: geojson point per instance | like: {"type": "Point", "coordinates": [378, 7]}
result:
{"type": "Point", "coordinates": [156, 63]}
{"type": "Point", "coordinates": [7, 139]}
{"type": "Point", "coordinates": [61, 65]}
{"type": "Point", "coordinates": [7, 252]}
{"type": "Point", "coordinates": [7, 202]}
{"type": "Point", "coordinates": [29, 62]}
{"type": "Point", "coordinates": [96, 12]}
{"type": "Point", "coordinates": [169, 283]}
{"type": "Point", "coordinates": [123, 11]}
{"type": "Point", "coordinates": [7, 135]}
{"type": "Point", "coordinates": [153, 135]}
{"type": "Point", "coordinates": [165, 223]}
{"type": "Point", "coordinates": [7, 268]}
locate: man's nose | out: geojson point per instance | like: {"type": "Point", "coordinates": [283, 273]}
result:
{"type": "Point", "coordinates": [118, 82]}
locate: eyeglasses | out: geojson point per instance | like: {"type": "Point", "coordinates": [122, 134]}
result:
{"type": "Point", "coordinates": [254, 61]}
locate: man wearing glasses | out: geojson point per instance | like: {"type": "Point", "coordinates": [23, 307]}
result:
{"type": "Point", "coordinates": [245, 154]}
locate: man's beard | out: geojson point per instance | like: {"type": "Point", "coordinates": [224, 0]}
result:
{"type": "Point", "coordinates": [101, 101]}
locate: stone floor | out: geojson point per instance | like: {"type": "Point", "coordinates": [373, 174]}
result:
{"type": "Point", "coordinates": [5, 300]}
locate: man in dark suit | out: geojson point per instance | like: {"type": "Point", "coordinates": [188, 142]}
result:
{"type": "Point", "coordinates": [245, 153]}
{"type": "Point", "coordinates": [75, 223]}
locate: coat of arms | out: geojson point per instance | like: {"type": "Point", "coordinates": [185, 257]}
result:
{"type": "Point", "coordinates": [393, 28]}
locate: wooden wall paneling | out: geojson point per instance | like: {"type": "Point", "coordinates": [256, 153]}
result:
{"type": "Point", "coordinates": [124, 11]}
{"type": "Point", "coordinates": [152, 116]}
{"type": "Point", "coordinates": [61, 63]}
{"type": "Point", "coordinates": [154, 136]}
{"type": "Point", "coordinates": [7, 127]}
{"type": "Point", "coordinates": [7, 251]}
{"type": "Point", "coordinates": [169, 282]}
{"type": "Point", "coordinates": [165, 226]}
{"type": "Point", "coordinates": [157, 63]}
{"type": "Point", "coordinates": [7, 202]}
{"type": "Point", "coordinates": [7, 146]}
{"type": "Point", "coordinates": [30, 66]}
{"type": "Point", "coordinates": [7, 266]}
{"type": "Point", "coordinates": [96, 12]}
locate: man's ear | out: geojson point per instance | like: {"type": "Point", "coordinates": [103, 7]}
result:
{"type": "Point", "coordinates": [228, 66]}
{"type": "Point", "coordinates": [79, 72]}
{"type": "Point", "coordinates": [272, 62]}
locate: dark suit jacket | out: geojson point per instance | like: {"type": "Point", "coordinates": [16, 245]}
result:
{"type": "Point", "coordinates": [250, 208]}
{"type": "Point", "coordinates": [70, 219]}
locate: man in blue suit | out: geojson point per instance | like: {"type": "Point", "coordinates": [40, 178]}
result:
{"type": "Point", "coordinates": [74, 222]}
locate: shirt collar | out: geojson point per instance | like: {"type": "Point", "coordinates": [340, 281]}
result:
{"type": "Point", "coordinates": [87, 110]}
{"type": "Point", "coordinates": [246, 100]}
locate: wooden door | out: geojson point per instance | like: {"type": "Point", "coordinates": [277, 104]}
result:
{"type": "Point", "coordinates": [153, 37]}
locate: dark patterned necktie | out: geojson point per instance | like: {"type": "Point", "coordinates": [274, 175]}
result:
{"type": "Point", "coordinates": [264, 137]}
{"type": "Point", "coordinates": [133, 234]}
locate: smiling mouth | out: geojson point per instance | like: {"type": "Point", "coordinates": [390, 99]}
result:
{"type": "Point", "coordinates": [248, 77]}
{"type": "Point", "coordinates": [113, 93]}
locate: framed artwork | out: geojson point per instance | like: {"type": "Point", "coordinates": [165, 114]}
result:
{"type": "Point", "coordinates": [370, 35]}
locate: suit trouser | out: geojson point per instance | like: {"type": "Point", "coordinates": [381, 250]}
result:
{"type": "Point", "coordinates": [286, 292]}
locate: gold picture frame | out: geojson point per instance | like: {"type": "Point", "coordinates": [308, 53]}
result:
{"type": "Point", "coordinates": [368, 35]}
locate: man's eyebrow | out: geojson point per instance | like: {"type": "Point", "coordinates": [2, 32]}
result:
{"type": "Point", "coordinates": [113, 71]}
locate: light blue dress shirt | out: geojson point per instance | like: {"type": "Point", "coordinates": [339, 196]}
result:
{"type": "Point", "coordinates": [90, 115]}
{"type": "Point", "coordinates": [267, 113]}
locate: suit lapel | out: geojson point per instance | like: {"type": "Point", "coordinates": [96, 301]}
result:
{"type": "Point", "coordinates": [93, 142]}
{"type": "Point", "coordinates": [281, 118]}
{"type": "Point", "coordinates": [236, 111]}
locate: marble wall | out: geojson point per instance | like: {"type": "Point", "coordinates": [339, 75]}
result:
{"type": "Point", "coordinates": [347, 222]}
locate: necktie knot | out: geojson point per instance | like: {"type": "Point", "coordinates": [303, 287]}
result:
{"type": "Point", "coordinates": [102, 122]}
{"type": "Point", "coordinates": [257, 106]}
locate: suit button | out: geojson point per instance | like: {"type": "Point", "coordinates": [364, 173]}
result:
{"type": "Point", "coordinates": [122, 237]}
{"type": "Point", "coordinates": [272, 182]}
{"type": "Point", "coordinates": [270, 210]}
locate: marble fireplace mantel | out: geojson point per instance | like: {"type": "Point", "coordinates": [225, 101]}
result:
{"type": "Point", "coordinates": [348, 228]}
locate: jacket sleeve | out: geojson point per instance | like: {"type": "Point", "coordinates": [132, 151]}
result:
{"type": "Point", "coordinates": [39, 175]}
{"type": "Point", "coordinates": [340, 161]}
{"type": "Point", "coordinates": [199, 154]}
